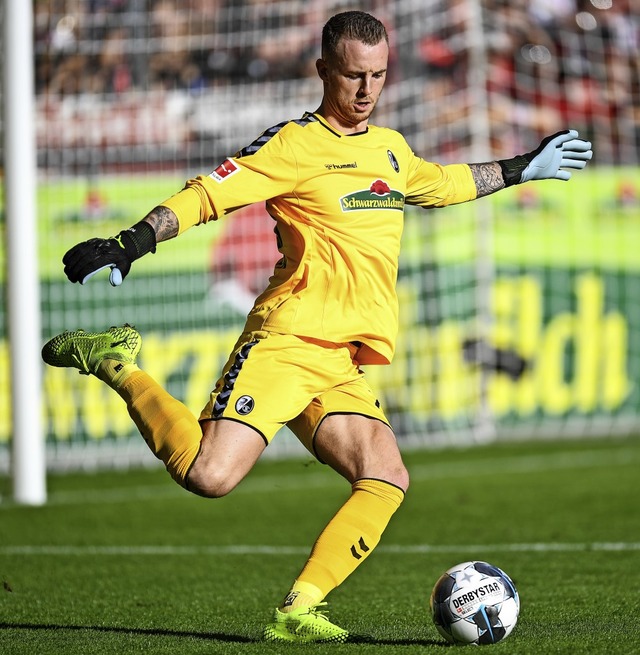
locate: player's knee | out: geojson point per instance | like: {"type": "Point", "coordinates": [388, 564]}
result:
{"type": "Point", "coordinates": [391, 470]}
{"type": "Point", "coordinates": [398, 476]}
{"type": "Point", "coordinates": [210, 482]}
{"type": "Point", "coordinates": [228, 451]}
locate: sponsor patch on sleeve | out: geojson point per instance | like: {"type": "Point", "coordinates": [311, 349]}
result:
{"type": "Point", "coordinates": [225, 170]}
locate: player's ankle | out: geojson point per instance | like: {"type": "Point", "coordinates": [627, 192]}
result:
{"type": "Point", "coordinates": [114, 372]}
{"type": "Point", "coordinates": [302, 594]}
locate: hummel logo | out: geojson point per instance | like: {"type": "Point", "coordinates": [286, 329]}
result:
{"type": "Point", "coordinates": [364, 549]}
{"type": "Point", "coordinates": [338, 167]}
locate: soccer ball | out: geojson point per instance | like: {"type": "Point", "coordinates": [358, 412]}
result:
{"type": "Point", "coordinates": [474, 603]}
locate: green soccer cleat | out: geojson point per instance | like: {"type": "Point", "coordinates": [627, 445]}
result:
{"type": "Point", "coordinates": [304, 625]}
{"type": "Point", "coordinates": [85, 350]}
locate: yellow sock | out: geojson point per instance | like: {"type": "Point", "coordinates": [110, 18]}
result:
{"type": "Point", "coordinates": [302, 594]}
{"type": "Point", "coordinates": [348, 538]}
{"type": "Point", "coordinates": [114, 372]}
{"type": "Point", "coordinates": [171, 431]}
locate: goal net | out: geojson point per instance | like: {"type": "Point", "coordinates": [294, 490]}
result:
{"type": "Point", "coordinates": [519, 312]}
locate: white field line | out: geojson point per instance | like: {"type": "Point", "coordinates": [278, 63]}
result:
{"type": "Point", "coordinates": [189, 551]}
{"type": "Point", "coordinates": [558, 461]}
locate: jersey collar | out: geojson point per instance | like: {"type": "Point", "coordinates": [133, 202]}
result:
{"type": "Point", "coordinates": [331, 129]}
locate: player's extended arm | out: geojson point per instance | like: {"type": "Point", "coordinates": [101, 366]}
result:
{"type": "Point", "coordinates": [117, 253]}
{"type": "Point", "coordinates": [558, 152]}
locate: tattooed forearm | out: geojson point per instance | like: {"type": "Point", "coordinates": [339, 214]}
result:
{"type": "Point", "coordinates": [164, 222]}
{"type": "Point", "coordinates": [488, 178]}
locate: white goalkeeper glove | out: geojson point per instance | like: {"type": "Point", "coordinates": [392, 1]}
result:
{"type": "Point", "coordinates": [549, 160]}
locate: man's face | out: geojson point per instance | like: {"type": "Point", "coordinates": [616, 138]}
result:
{"type": "Point", "coordinates": [353, 80]}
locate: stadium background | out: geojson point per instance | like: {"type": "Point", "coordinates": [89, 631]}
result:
{"type": "Point", "coordinates": [134, 96]}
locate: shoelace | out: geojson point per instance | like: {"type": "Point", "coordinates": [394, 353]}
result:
{"type": "Point", "coordinates": [322, 614]}
{"type": "Point", "coordinates": [78, 358]}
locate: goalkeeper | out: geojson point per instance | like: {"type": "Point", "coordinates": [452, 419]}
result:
{"type": "Point", "coordinates": [335, 186]}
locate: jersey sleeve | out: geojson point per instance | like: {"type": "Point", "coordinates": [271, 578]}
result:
{"type": "Point", "coordinates": [434, 185]}
{"type": "Point", "coordinates": [241, 180]}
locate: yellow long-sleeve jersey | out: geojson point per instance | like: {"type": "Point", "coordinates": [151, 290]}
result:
{"type": "Point", "coordinates": [337, 201]}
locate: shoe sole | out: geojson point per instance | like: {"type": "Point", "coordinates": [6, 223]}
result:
{"type": "Point", "coordinates": [272, 634]}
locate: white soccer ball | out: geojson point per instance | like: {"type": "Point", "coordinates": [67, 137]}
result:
{"type": "Point", "coordinates": [474, 603]}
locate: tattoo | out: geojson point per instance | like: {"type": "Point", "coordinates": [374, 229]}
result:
{"type": "Point", "coordinates": [488, 178]}
{"type": "Point", "coordinates": [164, 222]}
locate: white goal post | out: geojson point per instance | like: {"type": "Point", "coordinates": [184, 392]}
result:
{"type": "Point", "coordinates": [23, 284]}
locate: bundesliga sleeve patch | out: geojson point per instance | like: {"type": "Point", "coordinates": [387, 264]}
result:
{"type": "Point", "coordinates": [225, 170]}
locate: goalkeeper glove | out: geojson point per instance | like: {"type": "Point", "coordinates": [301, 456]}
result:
{"type": "Point", "coordinates": [555, 153]}
{"type": "Point", "coordinates": [86, 259]}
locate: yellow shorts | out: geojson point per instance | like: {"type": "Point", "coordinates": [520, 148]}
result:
{"type": "Point", "coordinates": [271, 380]}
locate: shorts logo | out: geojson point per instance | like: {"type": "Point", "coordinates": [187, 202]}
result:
{"type": "Point", "coordinates": [244, 405]}
{"type": "Point", "coordinates": [378, 196]}
{"type": "Point", "coordinates": [393, 161]}
{"type": "Point", "coordinates": [225, 170]}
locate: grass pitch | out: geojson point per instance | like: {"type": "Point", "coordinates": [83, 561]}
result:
{"type": "Point", "coordinates": [130, 563]}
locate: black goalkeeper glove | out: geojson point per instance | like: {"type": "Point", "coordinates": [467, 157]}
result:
{"type": "Point", "coordinates": [86, 259]}
{"type": "Point", "coordinates": [555, 153]}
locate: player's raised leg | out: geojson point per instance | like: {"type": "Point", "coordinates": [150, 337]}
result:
{"type": "Point", "coordinates": [208, 459]}
{"type": "Point", "coordinates": [171, 431]}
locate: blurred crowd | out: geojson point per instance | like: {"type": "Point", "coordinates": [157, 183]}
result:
{"type": "Point", "coordinates": [544, 64]}
{"type": "Point", "coordinates": [541, 63]}
{"type": "Point", "coordinates": [112, 46]}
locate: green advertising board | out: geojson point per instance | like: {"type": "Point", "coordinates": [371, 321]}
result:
{"type": "Point", "coordinates": [549, 271]}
